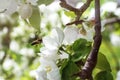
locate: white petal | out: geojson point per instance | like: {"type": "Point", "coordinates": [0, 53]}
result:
{"type": "Point", "coordinates": [49, 54]}
{"type": "Point", "coordinates": [71, 34]}
{"type": "Point", "coordinates": [3, 5]}
{"type": "Point", "coordinates": [40, 74]}
{"type": "Point", "coordinates": [50, 43]}
{"type": "Point", "coordinates": [25, 11]}
{"type": "Point", "coordinates": [115, 39]}
{"type": "Point", "coordinates": [8, 6]}
{"type": "Point", "coordinates": [105, 7]}
{"type": "Point", "coordinates": [44, 62]}
{"type": "Point", "coordinates": [58, 35]}
{"type": "Point", "coordinates": [12, 7]}
{"type": "Point", "coordinates": [63, 55]}
{"type": "Point", "coordinates": [54, 74]}
{"type": "Point", "coordinates": [117, 12]}
{"type": "Point", "coordinates": [118, 75]}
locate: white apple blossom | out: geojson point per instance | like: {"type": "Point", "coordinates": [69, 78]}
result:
{"type": "Point", "coordinates": [14, 46]}
{"type": "Point", "coordinates": [55, 40]}
{"type": "Point", "coordinates": [105, 7]}
{"type": "Point", "coordinates": [8, 6]}
{"type": "Point", "coordinates": [118, 75]}
{"type": "Point", "coordinates": [117, 12]}
{"type": "Point", "coordinates": [50, 53]}
{"type": "Point", "coordinates": [47, 70]}
{"type": "Point", "coordinates": [11, 6]}
{"type": "Point", "coordinates": [29, 52]}
{"type": "Point", "coordinates": [71, 34]}
{"type": "Point", "coordinates": [2, 78]}
{"type": "Point", "coordinates": [87, 33]}
{"type": "Point", "coordinates": [115, 39]}
{"type": "Point", "coordinates": [8, 64]}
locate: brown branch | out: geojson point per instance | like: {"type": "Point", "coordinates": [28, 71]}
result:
{"type": "Point", "coordinates": [75, 22]}
{"type": "Point", "coordinates": [86, 72]}
{"type": "Point", "coordinates": [83, 9]}
{"type": "Point", "coordinates": [78, 12]}
{"type": "Point", "coordinates": [111, 21]}
{"type": "Point", "coordinates": [64, 4]}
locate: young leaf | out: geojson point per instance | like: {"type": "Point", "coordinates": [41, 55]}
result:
{"type": "Point", "coordinates": [80, 49]}
{"type": "Point", "coordinates": [70, 14]}
{"type": "Point", "coordinates": [104, 75]}
{"type": "Point", "coordinates": [44, 2]}
{"type": "Point", "coordinates": [69, 71]}
{"type": "Point", "coordinates": [35, 18]}
{"type": "Point", "coordinates": [103, 63]}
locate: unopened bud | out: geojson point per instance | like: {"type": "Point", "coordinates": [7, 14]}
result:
{"type": "Point", "coordinates": [25, 11]}
{"type": "Point", "coordinates": [83, 31]}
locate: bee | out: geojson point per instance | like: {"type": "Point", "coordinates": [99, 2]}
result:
{"type": "Point", "coordinates": [36, 41]}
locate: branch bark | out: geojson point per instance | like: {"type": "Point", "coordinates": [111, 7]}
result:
{"type": "Point", "coordinates": [111, 21]}
{"type": "Point", "coordinates": [86, 72]}
{"type": "Point", "coordinates": [78, 12]}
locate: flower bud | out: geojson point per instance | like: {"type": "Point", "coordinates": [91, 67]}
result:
{"type": "Point", "coordinates": [25, 11]}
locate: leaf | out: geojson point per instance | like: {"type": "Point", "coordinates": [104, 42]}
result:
{"type": "Point", "coordinates": [103, 63]}
{"type": "Point", "coordinates": [80, 49]}
{"type": "Point", "coordinates": [69, 71]}
{"type": "Point", "coordinates": [63, 65]}
{"type": "Point", "coordinates": [70, 14]}
{"type": "Point", "coordinates": [44, 2]}
{"type": "Point", "coordinates": [35, 18]}
{"type": "Point", "coordinates": [104, 75]}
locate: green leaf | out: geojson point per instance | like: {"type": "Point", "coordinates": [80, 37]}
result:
{"type": "Point", "coordinates": [35, 18]}
{"type": "Point", "coordinates": [80, 48]}
{"type": "Point", "coordinates": [44, 2]}
{"type": "Point", "coordinates": [103, 63]}
{"type": "Point", "coordinates": [70, 14]}
{"type": "Point", "coordinates": [63, 65]}
{"type": "Point", "coordinates": [69, 71]}
{"type": "Point", "coordinates": [104, 75]}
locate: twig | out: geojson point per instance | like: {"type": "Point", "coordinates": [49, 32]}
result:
{"type": "Point", "coordinates": [86, 72]}
{"type": "Point", "coordinates": [78, 12]}
{"type": "Point", "coordinates": [64, 4]}
{"type": "Point", "coordinates": [75, 22]}
{"type": "Point", "coordinates": [83, 9]}
{"type": "Point", "coordinates": [111, 21]}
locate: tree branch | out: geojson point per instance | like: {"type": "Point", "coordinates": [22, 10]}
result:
{"type": "Point", "coordinates": [111, 21]}
{"type": "Point", "coordinates": [78, 12]}
{"type": "Point", "coordinates": [86, 72]}
{"type": "Point", "coordinates": [83, 9]}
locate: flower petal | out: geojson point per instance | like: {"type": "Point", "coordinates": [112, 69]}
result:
{"type": "Point", "coordinates": [50, 43]}
{"type": "Point", "coordinates": [49, 54]}
{"type": "Point", "coordinates": [57, 34]}
{"type": "Point", "coordinates": [63, 55]}
{"type": "Point", "coordinates": [40, 74]}
{"type": "Point", "coordinates": [71, 34]}
{"type": "Point", "coordinates": [54, 74]}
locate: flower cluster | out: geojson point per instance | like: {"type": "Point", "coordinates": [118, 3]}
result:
{"type": "Point", "coordinates": [51, 52]}
{"type": "Point", "coordinates": [24, 8]}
